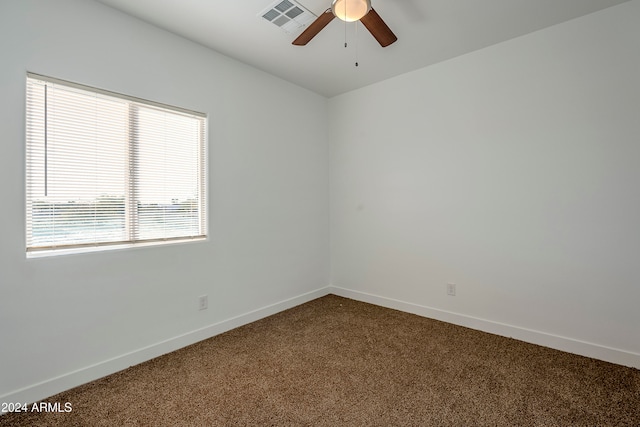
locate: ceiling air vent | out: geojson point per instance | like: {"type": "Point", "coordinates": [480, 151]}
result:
{"type": "Point", "coordinates": [288, 15]}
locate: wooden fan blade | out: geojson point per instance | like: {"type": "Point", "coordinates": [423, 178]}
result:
{"type": "Point", "coordinates": [315, 27]}
{"type": "Point", "coordinates": [378, 29]}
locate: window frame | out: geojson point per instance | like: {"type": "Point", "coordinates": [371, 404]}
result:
{"type": "Point", "coordinates": [130, 201]}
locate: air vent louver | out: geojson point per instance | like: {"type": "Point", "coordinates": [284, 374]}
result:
{"type": "Point", "coordinates": [284, 6]}
{"type": "Point", "coordinates": [288, 15]}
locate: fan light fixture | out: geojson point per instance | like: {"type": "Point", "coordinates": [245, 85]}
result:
{"type": "Point", "coordinates": [350, 10]}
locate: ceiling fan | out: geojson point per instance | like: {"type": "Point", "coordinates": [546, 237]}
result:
{"type": "Point", "coordinates": [350, 11]}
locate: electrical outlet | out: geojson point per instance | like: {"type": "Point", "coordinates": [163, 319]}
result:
{"type": "Point", "coordinates": [451, 289]}
{"type": "Point", "coordinates": [203, 302]}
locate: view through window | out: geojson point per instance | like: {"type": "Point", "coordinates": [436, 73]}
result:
{"type": "Point", "coordinates": [108, 169]}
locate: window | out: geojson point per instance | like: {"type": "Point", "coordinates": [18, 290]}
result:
{"type": "Point", "coordinates": [108, 169]}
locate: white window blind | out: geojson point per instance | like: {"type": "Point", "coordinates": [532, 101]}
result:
{"type": "Point", "coordinates": [105, 169]}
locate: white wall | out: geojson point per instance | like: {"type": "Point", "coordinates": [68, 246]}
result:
{"type": "Point", "coordinates": [512, 172]}
{"type": "Point", "coordinates": [69, 319]}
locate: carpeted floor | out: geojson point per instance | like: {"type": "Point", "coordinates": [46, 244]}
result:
{"type": "Point", "coordinates": [339, 362]}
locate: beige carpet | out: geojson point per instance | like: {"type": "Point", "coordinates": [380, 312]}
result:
{"type": "Point", "coordinates": [335, 361]}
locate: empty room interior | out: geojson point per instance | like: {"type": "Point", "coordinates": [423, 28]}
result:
{"type": "Point", "coordinates": [492, 183]}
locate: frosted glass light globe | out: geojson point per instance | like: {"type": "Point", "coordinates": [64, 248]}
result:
{"type": "Point", "coordinates": [350, 10]}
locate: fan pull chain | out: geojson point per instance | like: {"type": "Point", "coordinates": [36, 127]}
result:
{"type": "Point", "coordinates": [357, 43]}
{"type": "Point", "coordinates": [345, 25]}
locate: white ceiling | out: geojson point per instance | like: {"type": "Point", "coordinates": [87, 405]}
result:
{"type": "Point", "coordinates": [429, 31]}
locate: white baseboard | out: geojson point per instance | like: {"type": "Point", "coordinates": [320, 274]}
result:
{"type": "Point", "coordinates": [40, 391]}
{"type": "Point", "coordinates": [569, 345]}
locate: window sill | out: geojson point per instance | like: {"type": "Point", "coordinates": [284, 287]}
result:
{"type": "Point", "coordinates": [89, 249]}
